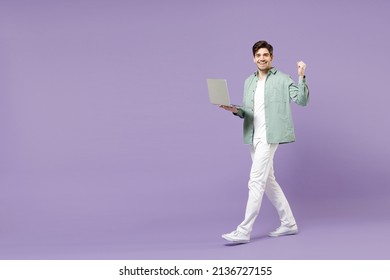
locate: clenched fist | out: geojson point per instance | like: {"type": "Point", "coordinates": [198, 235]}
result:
{"type": "Point", "coordinates": [301, 68]}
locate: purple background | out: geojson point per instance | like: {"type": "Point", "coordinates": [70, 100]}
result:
{"type": "Point", "coordinates": [109, 148]}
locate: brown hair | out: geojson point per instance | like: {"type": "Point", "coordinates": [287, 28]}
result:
{"type": "Point", "coordinates": [260, 45]}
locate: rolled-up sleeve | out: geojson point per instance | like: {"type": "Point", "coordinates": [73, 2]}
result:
{"type": "Point", "coordinates": [299, 94]}
{"type": "Point", "coordinates": [240, 113]}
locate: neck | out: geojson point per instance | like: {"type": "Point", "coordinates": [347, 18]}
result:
{"type": "Point", "coordinates": [262, 74]}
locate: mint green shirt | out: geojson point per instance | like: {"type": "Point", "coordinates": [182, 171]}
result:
{"type": "Point", "coordinates": [279, 91]}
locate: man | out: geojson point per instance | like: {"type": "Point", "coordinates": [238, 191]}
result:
{"type": "Point", "coordinates": [267, 123]}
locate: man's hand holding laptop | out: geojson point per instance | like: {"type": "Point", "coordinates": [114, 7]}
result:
{"type": "Point", "coordinates": [232, 109]}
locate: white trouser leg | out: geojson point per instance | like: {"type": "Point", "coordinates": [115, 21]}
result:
{"type": "Point", "coordinates": [262, 179]}
{"type": "Point", "coordinates": [262, 158]}
{"type": "Point", "coordinates": [275, 194]}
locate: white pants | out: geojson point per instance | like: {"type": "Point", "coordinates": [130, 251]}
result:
{"type": "Point", "coordinates": [262, 179]}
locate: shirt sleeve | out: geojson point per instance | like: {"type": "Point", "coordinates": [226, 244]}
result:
{"type": "Point", "coordinates": [299, 93]}
{"type": "Point", "coordinates": [240, 113]}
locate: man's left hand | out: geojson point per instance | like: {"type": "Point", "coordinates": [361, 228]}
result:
{"type": "Point", "coordinates": [301, 68]}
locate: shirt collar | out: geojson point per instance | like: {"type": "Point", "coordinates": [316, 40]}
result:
{"type": "Point", "coordinates": [272, 71]}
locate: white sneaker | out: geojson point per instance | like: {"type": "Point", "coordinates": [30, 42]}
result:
{"type": "Point", "coordinates": [284, 230]}
{"type": "Point", "coordinates": [236, 237]}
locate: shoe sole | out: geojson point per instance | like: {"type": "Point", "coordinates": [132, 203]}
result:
{"type": "Point", "coordinates": [235, 241]}
{"type": "Point", "coordinates": [283, 234]}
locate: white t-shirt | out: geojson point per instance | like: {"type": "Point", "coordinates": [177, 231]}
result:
{"type": "Point", "coordinates": [259, 114]}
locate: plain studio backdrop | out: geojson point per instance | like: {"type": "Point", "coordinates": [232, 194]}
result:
{"type": "Point", "coordinates": [109, 147]}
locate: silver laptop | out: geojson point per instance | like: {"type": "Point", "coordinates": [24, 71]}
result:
{"type": "Point", "coordinates": [218, 92]}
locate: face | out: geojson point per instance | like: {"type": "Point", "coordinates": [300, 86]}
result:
{"type": "Point", "coordinates": [263, 59]}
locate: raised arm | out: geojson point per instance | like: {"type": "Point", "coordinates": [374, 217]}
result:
{"type": "Point", "coordinates": [300, 93]}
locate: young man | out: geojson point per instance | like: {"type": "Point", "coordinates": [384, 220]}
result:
{"type": "Point", "coordinates": [267, 123]}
